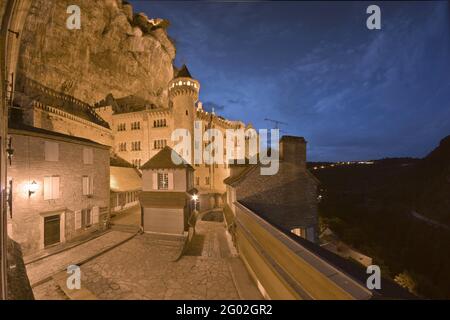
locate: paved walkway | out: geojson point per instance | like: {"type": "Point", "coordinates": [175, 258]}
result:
{"type": "Point", "coordinates": [42, 269]}
{"type": "Point", "coordinates": [130, 216]}
{"type": "Point", "coordinates": [145, 267]}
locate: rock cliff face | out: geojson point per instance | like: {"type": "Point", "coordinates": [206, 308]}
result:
{"type": "Point", "coordinates": [115, 51]}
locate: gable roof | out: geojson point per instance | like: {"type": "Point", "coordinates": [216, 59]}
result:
{"type": "Point", "coordinates": [163, 160]}
{"type": "Point", "coordinates": [183, 72]}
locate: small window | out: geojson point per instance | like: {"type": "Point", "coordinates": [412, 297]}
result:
{"type": "Point", "coordinates": [207, 181]}
{"type": "Point", "coordinates": [187, 113]}
{"type": "Point", "coordinates": [51, 151]}
{"type": "Point", "coordinates": [197, 181]}
{"type": "Point", "coordinates": [51, 188]}
{"type": "Point", "coordinates": [163, 181]}
{"type": "Point", "coordinates": [88, 186]}
{"type": "Point", "coordinates": [88, 156]}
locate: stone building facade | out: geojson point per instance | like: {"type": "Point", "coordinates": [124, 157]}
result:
{"type": "Point", "coordinates": [60, 187]}
{"type": "Point", "coordinates": [287, 199]}
{"type": "Point", "coordinates": [42, 107]}
{"type": "Point", "coordinates": [141, 129]}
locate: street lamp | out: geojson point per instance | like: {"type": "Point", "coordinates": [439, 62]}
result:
{"type": "Point", "coordinates": [195, 199]}
{"type": "Point", "coordinates": [32, 188]}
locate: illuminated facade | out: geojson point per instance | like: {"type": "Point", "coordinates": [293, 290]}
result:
{"type": "Point", "coordinates": [60, 187]}
{"type": "Point", "coordinates": [142, 129]}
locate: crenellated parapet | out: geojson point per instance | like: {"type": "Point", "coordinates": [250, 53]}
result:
{"type": "Point", "coordinates": [184, 86]}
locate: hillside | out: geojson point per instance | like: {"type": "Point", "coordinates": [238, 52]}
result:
{"type": "Point", "coordinates": [431, 194]}
{"type": "Point", "coordinates": [396, 211]}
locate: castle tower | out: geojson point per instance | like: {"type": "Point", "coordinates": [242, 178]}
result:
{"type": "Point", "coordinates": [183, 95]}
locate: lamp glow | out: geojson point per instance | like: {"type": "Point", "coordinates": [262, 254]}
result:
{"type": "Point", "coordinates": [194, 197]}
{"type": "Point", "coordinates": [32, 188]}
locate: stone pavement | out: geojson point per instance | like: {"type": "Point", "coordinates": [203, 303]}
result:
{"type": "Point", "coordinates": [130, 216]}
{"type": "Point", "coordinates": [40, 270]}
{"type": "Point", "coordinates": [146, 268]}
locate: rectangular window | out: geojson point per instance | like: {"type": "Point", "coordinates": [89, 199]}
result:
{"type": "Point", "coordinates": [163, 181]}
{"type": "Point", "coordinates": [207, 181]}
{"type": "Point", "coordinates": [197, 181]}
{"type": "Point", "coordinates": [88, 156]}
{"type": "Point", "coordinates": [86, 220]}
{"type": "Point", "coordinates": [51, 188]}
{"type": "Point", "coordinates": [51, 151]}
{"type": "Point", "coordinates": [88, 186]}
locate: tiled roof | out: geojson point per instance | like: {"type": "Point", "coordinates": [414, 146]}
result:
{"type": "Point", "coordinates": [163, 160]}
{"type": "Point", "coordinates": [163, 199]}
{"type": "Point", "coordinates": [124, 179]}
{"type": "Point", "coordinates": [232, 180]}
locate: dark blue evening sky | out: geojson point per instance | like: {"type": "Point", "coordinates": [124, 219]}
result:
{"type": "Point", "coordinates": [353, 93]}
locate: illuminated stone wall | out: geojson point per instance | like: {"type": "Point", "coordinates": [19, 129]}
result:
{"type": "Point", "coordinates": [28, 165]}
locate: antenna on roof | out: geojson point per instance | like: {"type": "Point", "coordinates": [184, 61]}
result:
{"type": "Point", "coordinates": [275, 122]}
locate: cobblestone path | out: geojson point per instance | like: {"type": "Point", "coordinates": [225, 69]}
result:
{"type": "Point", "coordinates": [46, 267]}
{"type": "Point", "coordinates": [145, 268]}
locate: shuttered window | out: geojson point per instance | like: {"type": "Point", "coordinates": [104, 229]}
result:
{"type": "Point", "coordinates": [51, 151]}
{"type": "Point", "coordinates": [88, 156]}
{"type": "Point", "coordinates": [77, 219]}
{"type": "Point", "coordinates": [51, 188]}
{"type": "Point", "coordinates": [163, 181]}
{"type": "Point", "coordinates": [86, 217]}
{"type": "Point", "coordinates": [88, 186]}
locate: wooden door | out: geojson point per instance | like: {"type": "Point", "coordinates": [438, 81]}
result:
{"type": "Point", "coordinates": [51, 230]}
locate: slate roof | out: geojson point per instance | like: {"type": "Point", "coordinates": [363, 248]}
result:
{"type": "Point", "coordinates": [117, 161]}
{"type": "Point", "coordinates": [162, 199]}
{"type": "Point", "coordinates": [163, 160]}
{"type": "Point", "coordinates": [183, 72]}
{"type": "Point", "coordinates": [233, 180]}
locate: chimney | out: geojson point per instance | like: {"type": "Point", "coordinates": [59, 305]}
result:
{"type": "Point", "coordinates": [293, 150]}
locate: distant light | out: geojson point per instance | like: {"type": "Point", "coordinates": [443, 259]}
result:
{"type": "Point", "coordinates": [194, 197]}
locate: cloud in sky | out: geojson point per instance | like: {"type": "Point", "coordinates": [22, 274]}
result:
{"type": "Point", "coordinates": [351, 92]}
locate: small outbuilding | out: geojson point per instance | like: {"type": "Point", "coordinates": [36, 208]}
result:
{"type": "Point", "coordinates": [168, 197]}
